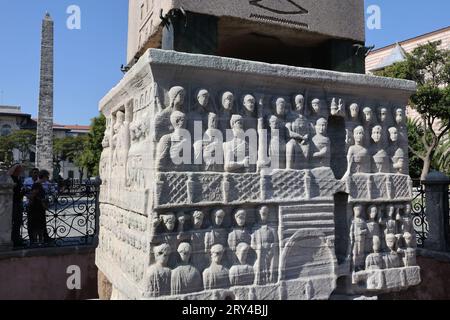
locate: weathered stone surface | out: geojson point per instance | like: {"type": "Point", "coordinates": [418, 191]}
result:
{"type": "Point", "coordinates": [44, 136]}
{"type": "Point", "coordinates": [330, 18]}
{"type": "Point", "coordinates": [304, 189]}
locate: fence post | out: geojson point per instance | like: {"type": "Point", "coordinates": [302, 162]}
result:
{"type": "Point", "coordinates": [6, 207]}
{"type": "Point", "coordinates": [437, 211]}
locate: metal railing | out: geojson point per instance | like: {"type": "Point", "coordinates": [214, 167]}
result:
{"type": "Point", "coordinates": [71, 217]}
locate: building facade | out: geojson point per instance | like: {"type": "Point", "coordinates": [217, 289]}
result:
{"type": "Point", "coordinates": [13, 119]}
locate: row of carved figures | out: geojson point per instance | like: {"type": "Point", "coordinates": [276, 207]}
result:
{"type": "Point", "coordinates": [256, 137]}
{"type": "Point", "coordinates": [382, 243]}
{"type": "Point", "coordinates": [222, 257]}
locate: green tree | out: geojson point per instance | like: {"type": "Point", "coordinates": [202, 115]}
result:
{"type": "Point", "coordinates": [23, 141]}
{"type": "Point", "coordinates": [429, 66]}
{"type": "Point", "coordinates": [90, 158]}
{"type": "Point", "coordinates": [6, 151]}
{"type": "Point", "coordinates": [70, 149]}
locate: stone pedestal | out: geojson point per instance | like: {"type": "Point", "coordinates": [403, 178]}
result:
{"type": "Point", "coordinates": [240, 228]}
{"type": "Point", "coordinates": [6, 198]}
{"type": "Point", "coordinates": [437, 211]}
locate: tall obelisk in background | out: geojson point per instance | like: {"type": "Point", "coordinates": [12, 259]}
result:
{"type": "Point", "coordinates": [44, 138]}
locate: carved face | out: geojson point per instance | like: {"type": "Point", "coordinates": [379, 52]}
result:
{"type": "Point", "coordinates": [373, 212]}
{"type": "Point", "coordinates": [409, 240]}
{"type": "Point", "coordinates": [212, 121]}
{"type": "Point", "coordinates": [383, 114]}
{"type": "Point", "coordinates": [169, 222]}
{"type": "Point", "coordinates": [198, 219]}
{"type": "Point", "coordinates": [321, 126]}
{"type": "Point", "coordinates": [334, 108]}
{"type": "Point", "coordinates": [281, 107]}
{"type": "Point", "coordinates": [390, 210]}
{"type": "Point", "coordinates": [299, 103]}
{"type": "Point", "coordinates": [354, 111]}
{"type": "Point", "coordinates": [408, 209]}
{"type": "Point", "coordinates": [181, 217]}
{"type": "Point", "coordinates": [237, 124]}
{"type": "Point", "coordinates": [264, 214]}
{"type": "Point", "coordinates": [368, 115]}
{"type": "Point", "coordinates": [390, 241]}
{"type": "Point", "coordinates": [219, 215]}
{"type": "Point", "coordinates": [315, 104]}
{"type": "Point", "coordinates": [399, 116]}
{"type": "Point", "coordinates": [179, 100]}
{"type": "Point", "coordinates": [217, 253]}
{"type": "Point", "coordinates": [357, 211]}
{"type": "Point", "coordinates": [162, 254]}
{"type": "Point", "coordinates": [239, 217]}
{"type": "Point", "coordinates": [178, 120]}
{"type": "Point", "coordinates": [203, 98]}
{"type": "Point", "coordinates": [227, 101]}
{"type": "Point", "coordinates": [358, 135]}
{"type": "Point", "coordinates": [376, 134]}
{"type": "Point", "coordinates": [393, 134]}
{"type": "Point", "coordinates": [273, 123]}
{"type": "Point", "coordinates": [185, 250]}
{"type": "Point", "coordinates": [249, 103]}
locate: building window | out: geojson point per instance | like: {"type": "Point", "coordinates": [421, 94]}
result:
{"type": "Point", "coordinates": [71, 174]}
{"type": "Point", "coordinates": [6, 130]}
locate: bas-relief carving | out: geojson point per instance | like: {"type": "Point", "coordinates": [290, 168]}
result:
{"type": "Point", "coordinates": [296, 139]}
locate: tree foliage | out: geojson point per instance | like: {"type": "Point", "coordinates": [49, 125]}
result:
{"type": "Point", "coordinates": [90, 159]}
{"type": "Point", "coordinates": [429, 66]}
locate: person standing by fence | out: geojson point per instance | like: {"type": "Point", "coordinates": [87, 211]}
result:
{"type": "Point", "coordinates": [15, 173]}
{"type": "Point", "coordinates": [36, 214]}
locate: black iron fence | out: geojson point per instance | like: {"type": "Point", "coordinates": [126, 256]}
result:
{"type": "Point", "coordinates": [71, 217]}
{"type": "Point", "coordinates": [418, 212]}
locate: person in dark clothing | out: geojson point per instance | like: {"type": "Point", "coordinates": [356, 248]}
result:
{"type": "Point", "coordinates": [17, 215]}
{"type": "Point", "coordinates": [36, 214]}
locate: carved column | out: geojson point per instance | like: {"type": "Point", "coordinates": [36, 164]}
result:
{"type": "Point", "coordinates": [6, 198]}
{"type": "Point", "coordinates": [437, 211]}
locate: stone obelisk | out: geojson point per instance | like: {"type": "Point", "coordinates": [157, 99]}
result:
{"type": "Point", "coordinates": [44, 138]}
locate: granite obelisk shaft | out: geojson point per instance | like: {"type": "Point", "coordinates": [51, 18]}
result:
{"type": "Point", "coordinates": [44, 138]}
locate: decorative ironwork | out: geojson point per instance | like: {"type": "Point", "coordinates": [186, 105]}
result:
{"type": "Point", "coordinates": [419, 214]}
{"type": "Point", "coordinates": [71, 217]}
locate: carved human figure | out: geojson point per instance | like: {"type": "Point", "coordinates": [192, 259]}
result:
{"type": "Point", "coordinates": [358, 233]}
{"type": "Point", "coordinates": [169, 236]}
{"type": "Point", "coordinates": [298, 148]}
{"type": "Point", "coordinates": [391, 259]}
{"type": "Point", "coordinates": [236, 151]}
{"type": "Point", "coordinates": [216, 276]}
{"type": "Point", "coordinates": [391, 224]}
{"type": "Point", "coordinates": [358, 158]}
{"type": "Point", "coordinates": [337, 109]}
{"type": "Point", "coordinates": [239, 233]}
{"type": "Point", "coordinates": [409, 253]}
{"type": "Point", "coordinates": [317, 110]}
{"type": "Point", "coordinates": [373, 227]}
{"type": "Point", "coordinates": [242, 274]}
{"type": "Point", "coordinates": [277, 145]}
{"type": "Point", "coordinates": [407, 223]}
{"type": "Point", "coordinates": [299, 102]}
{"type": "Point", "coordinates": [264, 241]}
{"type": "Point", "coordinates": [158, 274]}
{"type": "Point", "coordinates": [322, 153]}
{"type": "Point", "coordinates": [183, 234]}
{"type": "Point", "coordinates": [208, 152]}
{"type": "Point", "coordinates": [174, 149]}
{"type": "Point", "coordinates": [198, 117]}
{"type": "Point", "coordinates": [351, 123]}
{"type": "Point", "coordinates": [199, 258]}
{"type": "Point", "coordinates": [384, 121]}
{"type": "Point", "coordinates": [217, 233]}
{"type": "Point", "coordinates": [368, 122]}
{"type": "Point", "coordinates": [120, 140]}
{"type": "Point", "coordinates": [227, 101]}
{"type": "Point", "coordinates": [380, 158]}
{"type": "Point", "coordinates": [185, 278]}
{"type": "Point", "coordinates": [374, 261]}
{"type": "Point", "coordinates": [396, 152]}
{"type": "Point", "coordinates": [400, 120]}
{"type": "Point", "coordinates": [163, 124]}
{"type": "Point", "coordinates": [249, 120]}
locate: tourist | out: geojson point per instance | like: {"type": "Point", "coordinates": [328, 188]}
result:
{"type": "Point", "coordinates": [18, 192]}
{"type": "Point", "coordinates": [34, 176]}
{"type": "Point", "coordinates": [36, 214]}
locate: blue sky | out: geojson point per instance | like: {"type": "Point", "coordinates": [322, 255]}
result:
{"type": "Point", "coordinates": [87, 61]}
